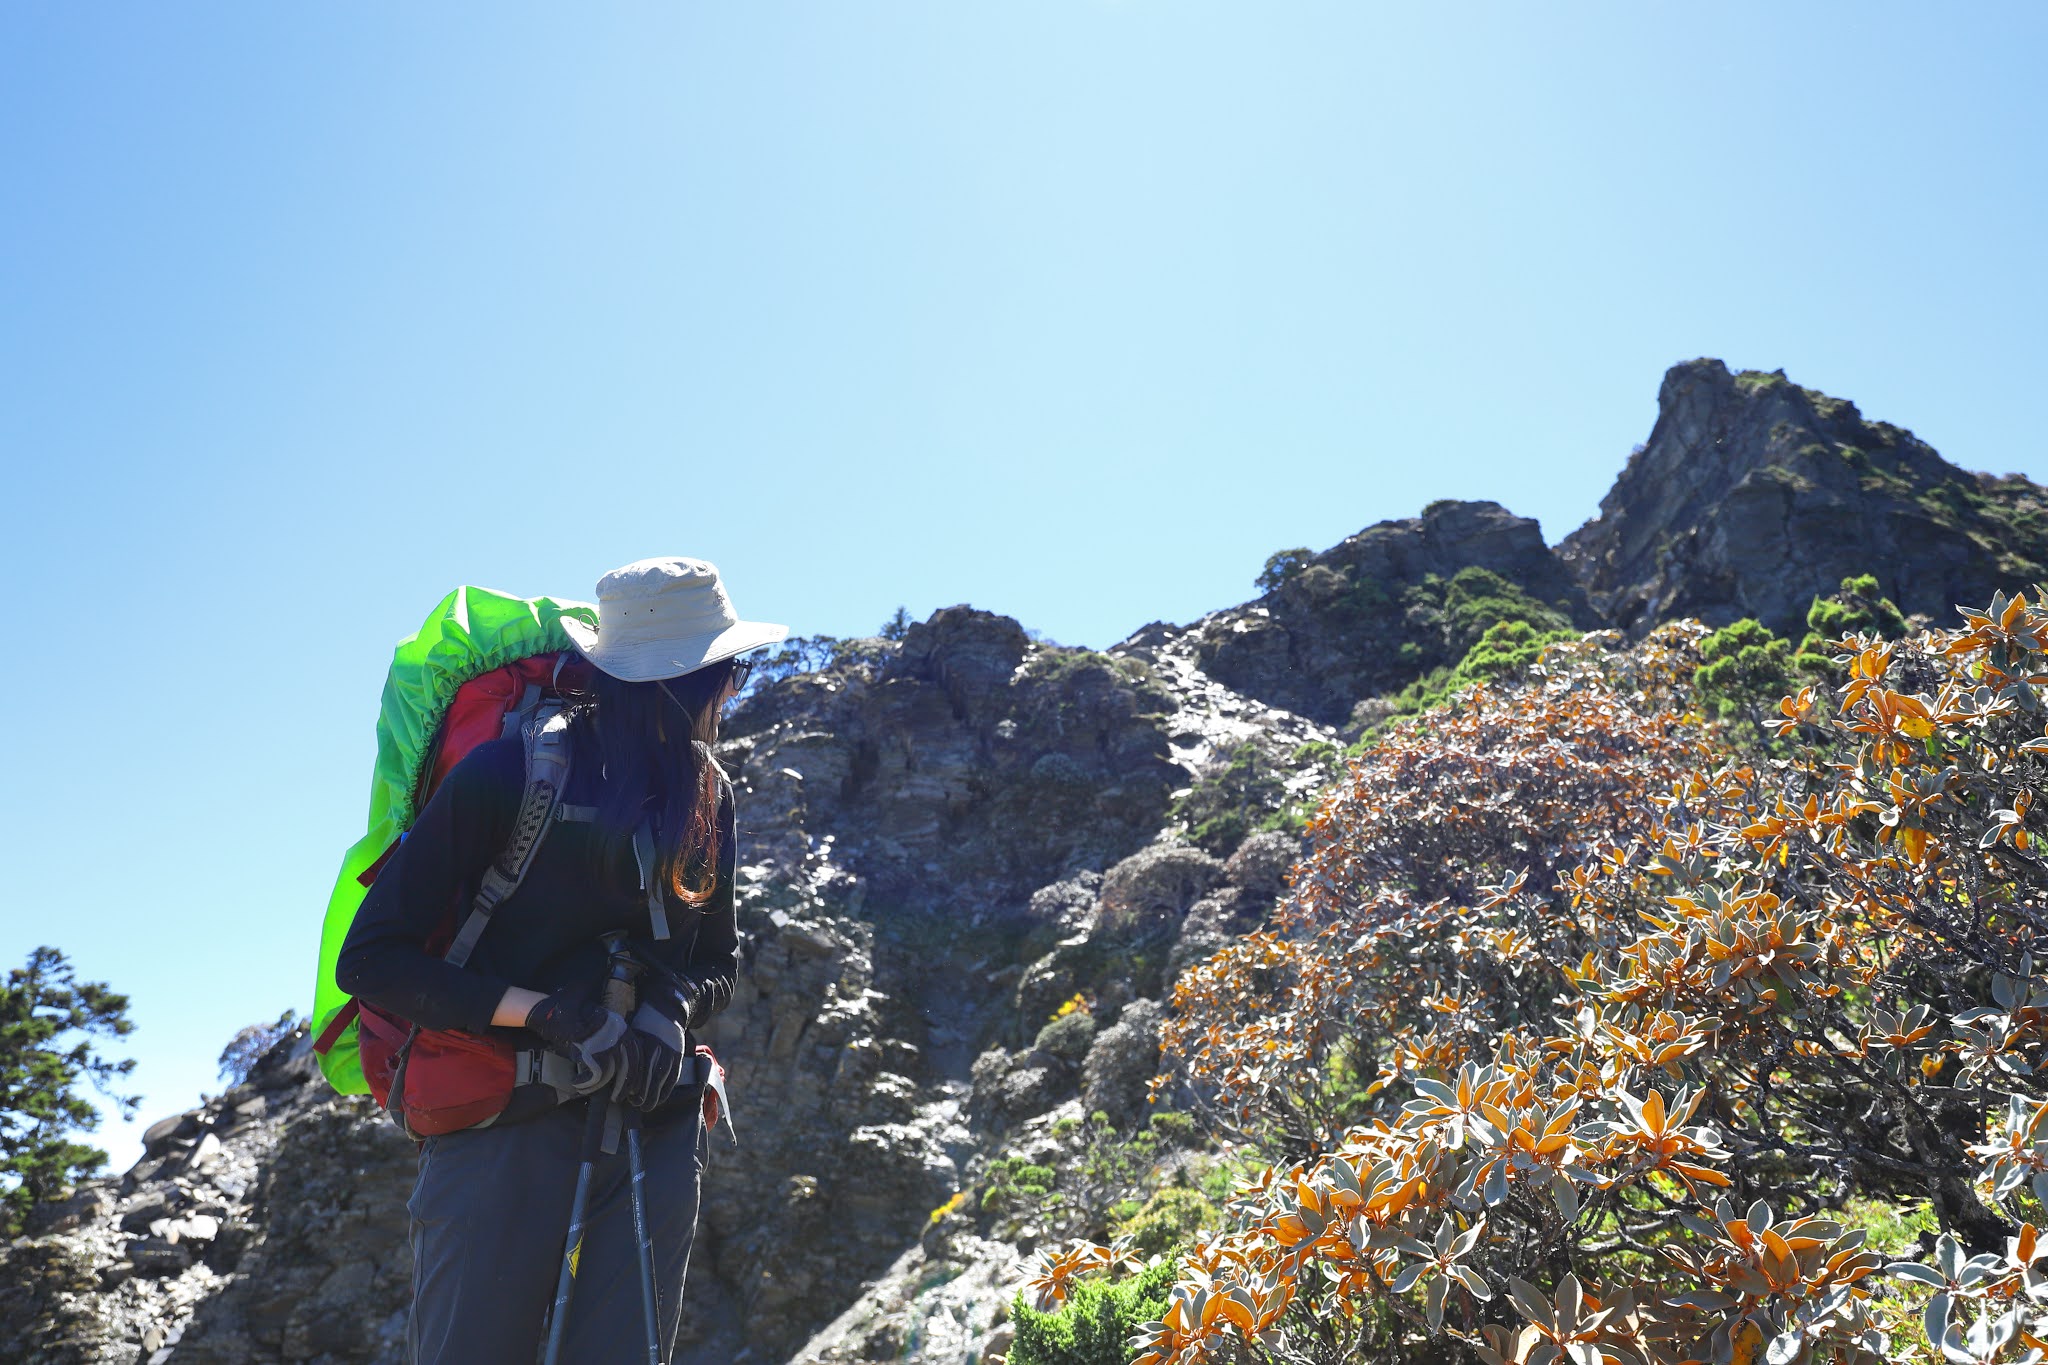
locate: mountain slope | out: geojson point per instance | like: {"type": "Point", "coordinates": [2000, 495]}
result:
{"type": "Point", "coordinates": [948, 840]}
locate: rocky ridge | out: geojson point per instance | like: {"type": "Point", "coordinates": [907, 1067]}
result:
{"type": "Point", "coordinates": [949, 839]}
{"type": "Point", "coordinates": [1753, 495]}
{"type": "Point", "coordinates": [1348, 624]}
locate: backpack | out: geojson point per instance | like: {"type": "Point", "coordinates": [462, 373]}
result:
{"type": "Point", "coordinates": [484, 665]}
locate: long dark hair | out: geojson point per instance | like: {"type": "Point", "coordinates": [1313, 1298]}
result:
{"type": "Point", "coordinates": [655, 739]}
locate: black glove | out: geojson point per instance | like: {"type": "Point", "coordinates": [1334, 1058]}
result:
{"type": "Point", "coordinates": [648, 1071]}
{"type": "Point", "coordinates": [689, 1000]}
{"type": "Point", "coordinates": [676, 996]}
{"type": "Point", "coordinates": [593, 1036]}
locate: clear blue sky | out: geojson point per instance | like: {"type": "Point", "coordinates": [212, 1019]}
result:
{"type": "Point", "coordinates": [1074, 311]}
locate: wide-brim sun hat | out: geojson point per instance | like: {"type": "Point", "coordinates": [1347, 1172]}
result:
{"type": "Point", "coordinates": [664, 617]}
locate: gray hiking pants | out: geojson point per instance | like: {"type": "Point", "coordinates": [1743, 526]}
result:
{"type": "Point", "coordinates": [489, 1210]}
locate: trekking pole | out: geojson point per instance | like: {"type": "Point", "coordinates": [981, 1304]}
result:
{"type": "Point", "coordinates": [641, 1235]}
{"type": "Point", "coordinates": [572, 1243]}
{"type": "Point", "coordinates": [620, 995]}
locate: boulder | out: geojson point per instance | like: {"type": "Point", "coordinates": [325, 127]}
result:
{"type": "Point", "coordinates": [1261, 863]}
{"type": "Point", "coordinates": [1121, 1063]}
{"type": "Point", "coordinates": [1156, 885]}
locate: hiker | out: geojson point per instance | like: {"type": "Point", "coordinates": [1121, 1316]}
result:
{"type": "Point", "coordinates": [640, 844]}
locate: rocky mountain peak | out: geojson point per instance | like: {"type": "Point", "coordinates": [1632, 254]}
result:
{"type": "Point", "coordinates": [1753, 495]}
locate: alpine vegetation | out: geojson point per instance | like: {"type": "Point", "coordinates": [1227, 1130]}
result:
{"type": "Point", "coordinates": [1585, 1034]}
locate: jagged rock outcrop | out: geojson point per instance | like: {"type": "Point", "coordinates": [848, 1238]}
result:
{"type": "Point", "coordinates": [1347, 625]}
{"type": "Point", "coordinates": [965, 763]}
{"type": "Point", "coordinates": [1753, 495]}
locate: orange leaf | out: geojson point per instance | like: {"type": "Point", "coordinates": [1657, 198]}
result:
{"type": "Point", "coordinates": [1706, 1175]}
{"type": "Point", "coordinates": [1239, 1314]}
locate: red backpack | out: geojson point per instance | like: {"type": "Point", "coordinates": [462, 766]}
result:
{"type": "Point", "coordinates": [434, 1081]}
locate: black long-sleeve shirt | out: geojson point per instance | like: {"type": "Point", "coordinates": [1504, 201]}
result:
{"type": "Point", "coordinates": [544, 936]}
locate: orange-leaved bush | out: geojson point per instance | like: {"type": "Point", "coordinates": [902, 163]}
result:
{"type": "Point", "coordinates": [1583, 1036]}
{"type": "Point", "coordinates": [1428, 917]}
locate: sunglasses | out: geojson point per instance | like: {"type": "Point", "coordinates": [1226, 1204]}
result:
{"type": "Point", "coordinates": [742, 669]}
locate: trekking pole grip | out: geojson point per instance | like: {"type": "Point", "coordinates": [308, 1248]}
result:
{"type": "Point", "coordinates": [620, 994]}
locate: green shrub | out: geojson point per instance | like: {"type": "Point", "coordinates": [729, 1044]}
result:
{"type": "Point", "coordinates": [1172, 1215]}
{"type": "Point", "coordinates": [1317, 752]}
{"type": "Point", "coordinates": [1291, 818]}
{"type": "Point", "coordinates": [1090, 1329]}
{"type": "Point", "coordinates": [1858, 607]}
{"type": "Point", "coordinates": [1013, 1184]}
{"type": "Point", "coordinates": [1221, 809]}
{"type": "Point", "coordinates": [1476, 600]}
{"type": "Point", "coordinates": [1068, 1035]}
{"type": "Point", "coordinates": [1503, 649]}
{"type": "Point", "coordinates": [1438, 624]}
{"type": "Point", "coordinates": [1745, 670]}
{"type": "Point", "coordinates": [1282, 565]}
{"type": "Point", "coordinates": [1506, 647]}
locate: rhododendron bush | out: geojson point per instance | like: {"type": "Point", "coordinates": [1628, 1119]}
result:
{"type": "Point", "coordinates": [1583, 1035]}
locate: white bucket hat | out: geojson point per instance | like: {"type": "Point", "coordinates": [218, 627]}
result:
{"type": "Point", "coordinates": [662, 618]}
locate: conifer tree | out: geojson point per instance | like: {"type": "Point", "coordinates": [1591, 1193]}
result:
{"type": "Point", "coordinates": [49, 1026]}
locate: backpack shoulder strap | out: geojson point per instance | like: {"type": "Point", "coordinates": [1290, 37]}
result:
{"type": "Point", "coordinates": [546, 737]}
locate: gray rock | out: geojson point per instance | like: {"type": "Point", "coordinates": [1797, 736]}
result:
{"type": "Point", "coordinates": [1068, 1036]}
{"type": "Point", "coordinates": [197, 1227]}
{"type": "Point", "coordinates": [158, 1256]}
{"type": "Point", "coordinates": [1261, 863]}
{"type": "Point", "coordinates": [1159, 883]}
{"type": "Point", "coordinates": [160, 1136]}
{"type": "Point", "coordinates": [989, 1069]}
{"type": "Point", "coordinates": [204, 1155]}
{"type": "Point", "coordinates": [1214, 920]}
{"type": "Point", "coordinates": [85, 1204]}
{"type": "Point", "coordinates": [1066, 905]}
{"type": "Point", "coordinates": [149, 1207]}
{"type": "Point", "coordinates": [1026, 1091]}
{"type": "Point", "coordinates": [1121, 1063]}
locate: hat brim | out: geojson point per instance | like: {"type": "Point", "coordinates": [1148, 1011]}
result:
{"type": "Point", "coordinates": [656, 660]}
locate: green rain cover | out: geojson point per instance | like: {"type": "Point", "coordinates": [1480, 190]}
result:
{"type": "Point", "coordinates": [471, 632]}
